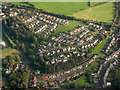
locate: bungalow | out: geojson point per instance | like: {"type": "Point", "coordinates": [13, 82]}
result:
{"type": "Point", "coordinates": [75, 75]}
{"type": "Point", "coordinates": [64, 60]}
{"type": "Point", "coordinates": [45, 77]}
{"type": "Point", "coordinates": [51, 83]}
{"type": "Point", "coordinates": [52, 61]}
{"type": "Point", "coordinates": [2, 43]}
{"type": "Point", "coordinates": [8, 71]}
{"type": "Point", "coordinates": [34, 81]}
{"type": "Point", "coordinates": [40, 28]}
{"type": "Point", "coordinates": [68, 77]}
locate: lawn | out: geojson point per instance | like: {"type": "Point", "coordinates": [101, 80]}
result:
{"type": "Point", "coordinates": [7, 51]}
{"type": "Point", "coordinates": [65, 8]}
{"type": "Point", "coordinates": [69, 27]}
{"type": "Point", "coordinates": [91, 66]}
{"type": "Point", "coordinates": [82, 82]}
{"type": "Point", "coordinates": [103, 12]}
{"type": "Point", "coordinates": [98, 48]}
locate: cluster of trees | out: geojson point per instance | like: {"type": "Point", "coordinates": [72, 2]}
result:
{"type": "Point", "coordinates": [17, 78]}
{"type": "Point", "coordinates": [114, 77]}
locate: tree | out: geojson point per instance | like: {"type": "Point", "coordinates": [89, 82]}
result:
{"type": "Point", "coordinates": [17, 58]}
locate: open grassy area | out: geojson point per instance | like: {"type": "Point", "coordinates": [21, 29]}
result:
{"type": "Point", "coordinates": [98, 48]}
{"type": "Point", "coordinates": [82, 82]}
{"type": "Point", "coordinates": [103, 12]}
{"type": "Point", "coordinates": [91, 66]}
{"type": "Point", "coordinates": [66, 8]}
{"type": "Point", "coordinates": [69, 27]}
{"type": "Point", "coordinates": [7, 51]}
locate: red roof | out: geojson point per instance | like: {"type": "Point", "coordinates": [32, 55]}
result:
{"type": "Point", "coordinates": [74, 75]}
{"type": "Point", "coordinates": [51, 83]}
{"type": "Point", "coordinates": [45, 77]}
{"type": "Point", "coordinates": [68, 77]}
{"type": "Point", "coordinates": [34, 84]}
{"type": "Point", "coordinates": [34, 78]}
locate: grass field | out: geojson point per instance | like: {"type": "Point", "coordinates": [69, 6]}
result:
{"type": "Point", "coordinates": [66, 8]}
{"type": "Point", "coordinates": [98, 48]}
{"type": "Point", "coordinates": [92, 66]}
{"type": "Point", "coordinates": [7, 51]}
{"type": "Point", "coordinates": [79, 83]}
{"type": "Point", "coordinates": [103, 12]}
{"type": "Point", "coordinates": [69, 27]}
{"type": "Point", "coordinates": [82, 82]}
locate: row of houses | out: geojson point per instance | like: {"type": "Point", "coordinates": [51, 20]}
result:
{"type": "Point", "coordinates": [112, 42]}
{"type": "Point", "coordinates": [52, 52]}
{"type": "Point", "coordinates": [90, 44]}
{"type": "Point", "coordinates": [77, 29]}
{"type": "Point", "coordinates": [40, 28]}
{"type": "Point", "coordinates": [16, 66]}
{"type": "Point", "coordinates": [33, 23]}
{"type": "Point", "coordinates": [63, 57]}
{"type": "Point", "coordinates": [70, 39]}
{"type": "Point", "coordinates": [113, 55]}
{"type": "Point", "coordinates": [55, 19]}
{"type": "Point", "coordinates": [93, 25]}
{"type": "Point", "coordinates": [49, 30]}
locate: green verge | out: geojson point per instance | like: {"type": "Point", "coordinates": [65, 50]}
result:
{"type": "Point", "coordinates": [69, 27]}
{"type": "Point", "coordinates": [82, 82]}
{"type": "Point", "coordinates": [98, 48]}
{"type": "Point", "coordinates": [92, 66]}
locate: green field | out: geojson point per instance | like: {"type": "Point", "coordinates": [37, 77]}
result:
{"type": "Point", "coordinates": [91, 66]}
{"type": "Point", "coordinates": [7, 51]}
{"type": "Point", "coordinates": [82, 82]}
{"type": "Point", "coordinates": [66, 8]}
{"type": "Point", "coordinates": [69, 27]}
{"type": "Point", "coordinates": [98, 48]}
{"type": "Point", "coordinates": [103, 12]}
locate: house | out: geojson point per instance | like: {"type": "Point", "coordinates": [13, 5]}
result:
{"type": "Point", "coordinates": [2, 43]}
{"type": "Point", "coordinates": [64, 60]}
{"type": "Point", "coordinates": [16, 66]}
{"type": "Point", "coordinates": [68, 77]}
{"type": "Point", "coordinates": [45, 77]}
{"type": "Point", "coordinates": [52, 61]}
{"type": "Point", "coordinates": [34, 81]}
{"type": "Point", "coordinates": [51, 83]}
{"type": "Point", "coordinates": [74, 75]}
{"type": "Point", "coordinates": [8, 71]}
{"type": "Point", "coordinates": [108, 84]}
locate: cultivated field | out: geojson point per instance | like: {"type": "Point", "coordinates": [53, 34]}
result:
{"type": "Point", "coordinates": [103, 12]}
